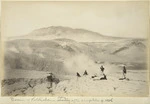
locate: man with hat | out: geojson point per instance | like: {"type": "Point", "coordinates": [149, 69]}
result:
{"type": "Point", "coordinates": [50, 79]}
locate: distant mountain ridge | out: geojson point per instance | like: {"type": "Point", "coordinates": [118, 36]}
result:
{"type": "Point", "coordinates": [61, 29]}
{"type": "Point", "coordinates": [59, 49]}
{"type": "Point", "coordinates": [56, 32]}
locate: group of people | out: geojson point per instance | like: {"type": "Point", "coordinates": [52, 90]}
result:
{"type": "Point", "coordinates": [85, 73]}
{"type": "Point", "coordinates": [51, 78]}
{"type": "Point", "coordinates": [104, 75]}
{"type": "Point", "coordinates": [124, 71]}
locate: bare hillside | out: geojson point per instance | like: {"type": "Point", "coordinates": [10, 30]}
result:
{"type": "Point", "coordinates": [65, 51]}
{"type": "Point", "coordinates": [56, 32]}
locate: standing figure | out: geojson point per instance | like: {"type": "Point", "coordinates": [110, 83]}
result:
{"type": "Point", "coordinates": [85, 73]}
{"type": "Point", "coordinates": [102, 68]}
{"type": "Point", "coordinates": [50, 80]}
{"type": "Point", "coordinates": [124, 72]}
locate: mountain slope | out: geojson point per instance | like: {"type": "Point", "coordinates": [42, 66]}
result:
{"type": "Point", "coordinates": [61, 55]}
{"type": "Point", "coordinates": [64, 52]}
{"type": "Point", "coordinates": [56, 32]}
{"type": "Point", "coordinates": [63, 49]}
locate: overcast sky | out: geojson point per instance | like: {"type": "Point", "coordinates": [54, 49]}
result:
{"type": "Point", "coordinates": [123, 19]}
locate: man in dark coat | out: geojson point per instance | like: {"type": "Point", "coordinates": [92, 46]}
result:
{"type": "Point", "coordinates": [85, 73]}
{"type": "Point", "coordinates": [124, 72]}
{"type": "Point", "coordinates": [102, 68]}
{"type": "Point", "coordinates": [50, 79]}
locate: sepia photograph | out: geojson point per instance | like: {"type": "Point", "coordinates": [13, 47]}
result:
{"type": "Point", "coordinates": [80, 49]}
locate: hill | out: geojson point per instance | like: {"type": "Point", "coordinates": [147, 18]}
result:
{"type": "Point", "coordinates": [61, 55]}
{"type": "Point", "coordinates": [56, 32]}
{"type": "Point", "coordinates": [65, 51]}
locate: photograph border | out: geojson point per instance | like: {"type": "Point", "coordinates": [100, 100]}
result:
{"type": "Point", "coordinates": [70, 100]}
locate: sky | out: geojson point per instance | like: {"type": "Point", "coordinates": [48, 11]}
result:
{"type": "Point", "coordinates": [119, 19]}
